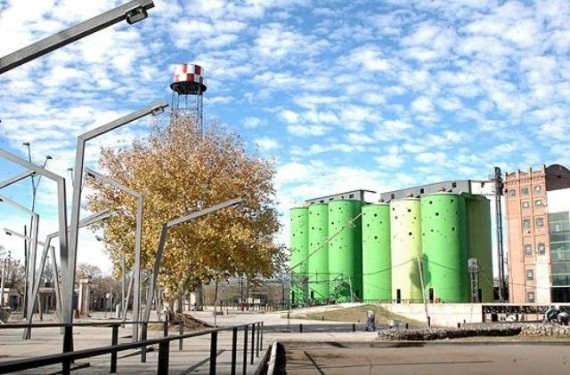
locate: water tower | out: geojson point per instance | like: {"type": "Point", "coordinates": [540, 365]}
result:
{"type": "Point", "coordinates": [188, 87]}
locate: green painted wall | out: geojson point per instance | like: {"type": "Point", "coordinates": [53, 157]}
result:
{"type": "Point", "coordinates": [479, 243]}
{"type": "Point", "coordinates": [345, 250]}
{"type": "Point", "coordinates": [444, 246]}
{"type": "Point", "coordinates": [319, 253]}
{"type": "Point", "coordinates": [376, 258]}
{"type": "Point", "coordinates": [299, 252]}
{"type": "Point", "coordinates": [405, 227]}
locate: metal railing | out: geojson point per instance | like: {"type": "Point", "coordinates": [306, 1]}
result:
{"type": "Point", "coordinates": [163, 347]}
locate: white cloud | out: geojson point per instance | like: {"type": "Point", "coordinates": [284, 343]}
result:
{"type": "Point", "coordinates": [253, 122]}
{"type": "Point", "coordinates": [423, 105]}
{"type": "Point", "coordinates": [267, 144]}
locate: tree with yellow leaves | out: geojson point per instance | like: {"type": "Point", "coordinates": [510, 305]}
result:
{"type": "Point", "coordinates": [180, 170]}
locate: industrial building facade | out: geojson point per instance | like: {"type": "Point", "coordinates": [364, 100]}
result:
{"type": "Point", "coordinates": [537, 217]}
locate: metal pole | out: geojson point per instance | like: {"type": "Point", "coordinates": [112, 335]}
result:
{"type": "Point", "coordinates": [163, 357]}
{"type": "Point", "coordinates": [2, 282]}
{"type": "Point", "coordinates": [499, 226]}
{"type": "Point", "coordinates": [234, 350]}
{"type": "Point", "coordinates": [162, 241]}
{"type": "Point", "coordinates": [213, 352]}
{"type": "Point", "coordinates": [244, 364]}
{"type": "Point", "coordinates": [71, 34]}
{"type": "Point", "coordinates": [36, 287]}
{"type": "Point", "coordinates": [138, 242]}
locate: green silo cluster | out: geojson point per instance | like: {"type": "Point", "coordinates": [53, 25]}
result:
{"type": "Point", "coordinates": [407, 251]}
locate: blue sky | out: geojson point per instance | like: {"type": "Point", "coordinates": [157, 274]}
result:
{"type": "Point", "coordinates": [375, 95]}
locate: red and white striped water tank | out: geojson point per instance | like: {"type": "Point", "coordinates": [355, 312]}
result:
{"type": "Point", "coordinates": [189, 80]}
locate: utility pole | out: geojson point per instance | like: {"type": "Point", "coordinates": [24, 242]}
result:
{"type": "Point", "coordinates": [499, 224]}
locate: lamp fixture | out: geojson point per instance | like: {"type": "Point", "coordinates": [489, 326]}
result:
{"type": "Point", "coordinates": [135, 15]}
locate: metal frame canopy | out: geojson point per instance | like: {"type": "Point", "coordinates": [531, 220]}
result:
{"type": "Point", "coordinates": [82, 139]}
{"type": "Point", "coordinates": [132, 12]}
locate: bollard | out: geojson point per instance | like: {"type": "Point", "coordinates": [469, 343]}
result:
{"type": "Point", "coordinates": [353, 327]}
{"type": "Point", "coordinates": [300, 328]}
{"type": "Point", "coordinates": [429, 321]}
{"type": "Point", "coordinates": [406, 325]}
{"type": "Point", "coordinates": [458, 325]}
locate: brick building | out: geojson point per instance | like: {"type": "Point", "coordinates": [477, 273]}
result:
{"type": "Point", "coordinates": [537, 217]}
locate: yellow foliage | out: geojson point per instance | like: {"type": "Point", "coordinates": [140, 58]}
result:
{"type": "Point", "coordinates": [180, 171]}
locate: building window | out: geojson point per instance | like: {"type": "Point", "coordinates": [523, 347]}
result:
{"type": "Point", "coordinates": [525, 204]}
{"type": "Point", "coordinates": [528, 249]}
{"type": "Point", "coordinates": [537, 189]}
{"type": "Point", "coordinates": [538, 203]}
{"type": "Point", "coordinates": [529, 274]}
{"type": "Point", "coordinates": [530, 297]}
{"type": "Point", "coordinates": [526, 223]}
{"type": "Point", "coordinates": [539, 222]}
{"type": "Point", "coordinates": [541, 248]}
{"type": "Point", "coordinates": [524, 191]}
{"type": "Point", "coordinates": [512, 193]}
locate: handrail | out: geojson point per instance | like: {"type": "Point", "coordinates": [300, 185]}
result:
{"type": "Point", "coordinates": [67, 357]}
{"type": "Point", "coordinates": [78, 324]}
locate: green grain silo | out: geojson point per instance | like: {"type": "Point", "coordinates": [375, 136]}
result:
{"type": "Point", "coordinates": [376, 259]}
{"type": "Point", "coordinates": [318, 253]}
{"type": "Point", "coordinates": [345, 250]}
{"type": "Point", "coordinates": [299, 252]}
{"type": "Point", "coordinates": [479, 245]}
{"type": "Point", "coordinates": [444, 246]}
{"type": "Point", "coordinates": [405, 229]}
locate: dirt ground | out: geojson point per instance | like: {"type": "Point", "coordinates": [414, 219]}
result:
{"type": "Point", "coordinates": [428, 359]}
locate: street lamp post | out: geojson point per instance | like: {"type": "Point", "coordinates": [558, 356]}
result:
{"type": "Point", "coordinates": [162, 241]}
{"type": "Point", "coordinates": [35, 185]}
{"type": "Point", "coordinates": [132, 12]}
{"type": "Point", "coordinates": [138, 242]}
